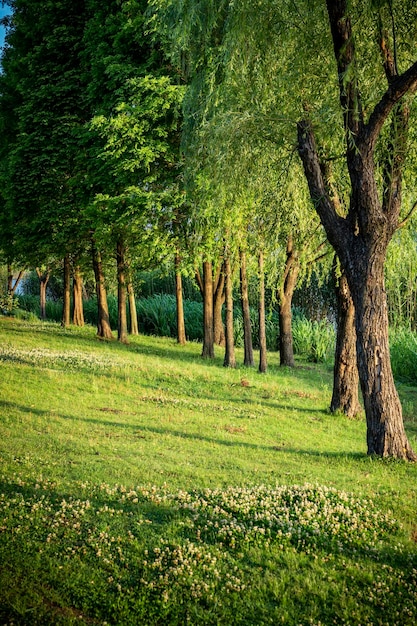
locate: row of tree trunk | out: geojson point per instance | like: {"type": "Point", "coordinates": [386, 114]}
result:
{"type": "Point", "coordinates": [217, 289]}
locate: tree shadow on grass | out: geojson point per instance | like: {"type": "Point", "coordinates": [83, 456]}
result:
{"type": "Point", "coordinates": [135, 431]}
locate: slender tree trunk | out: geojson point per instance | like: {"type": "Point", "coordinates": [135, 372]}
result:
{"type": "Point", "coordinates": [345, 396]}
{"type": "Point", "coordinates": [208, 319]}
{"type": "Point", "coordinates": [121, 292]}
{"type": "Point", "coordinates": [11, 287]}
{"type": "Point", "coordinates": [218, 301]}
{"type": "Point", "coordinates": [77, 290]}
{"type": "Point", "coordinates": [43, 282]}
{"type": "Point", "coordinates": [9, 279]}
{"type": "Point", "coordinates": [263, 365]}
{"type": "Point", "coordinates": [103, 320]}
{"type": "Point", "coordinates": [133, 316]}
{"type": "Point", "coordinates": [248, 359]}
{"type": "Point", "coordinates": [66, 308]}
{"type": "Point", "coordinates": [292, 269]}
{"type": "Point", "coordinates": [181, 338]}
{"type": "Point", "coordinates": [229, 356]}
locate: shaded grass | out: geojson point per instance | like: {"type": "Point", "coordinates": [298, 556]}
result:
{"type": "Point", "coordinates": [78, 413]}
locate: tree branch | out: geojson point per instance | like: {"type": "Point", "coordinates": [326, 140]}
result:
{"type": "Point", "coordinates": [344, 51]}
{"type": "Point", "coordinates": [334, 225]}
{"type": "Point", "coordinates": [408, 216]}
{"type": "Point", "coordinates": [397, 89]}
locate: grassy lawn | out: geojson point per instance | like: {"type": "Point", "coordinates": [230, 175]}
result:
{"type": "Point", "coordinates": [143, 485]}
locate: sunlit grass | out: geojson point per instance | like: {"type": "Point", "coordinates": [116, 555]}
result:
{"type": "Point", "coordinates": [141, 484]}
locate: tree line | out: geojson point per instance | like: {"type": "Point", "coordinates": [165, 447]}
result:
{"type": "Point", "coordinates": [228, 138]}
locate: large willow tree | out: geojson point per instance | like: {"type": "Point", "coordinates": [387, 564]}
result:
{"type": "Point", "coordinates": [361, 237]}
{"type": "Point", "coordinates": [332, 78]}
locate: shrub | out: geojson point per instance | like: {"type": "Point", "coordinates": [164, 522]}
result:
{"type": "Point", "coordinates": [8, 304]}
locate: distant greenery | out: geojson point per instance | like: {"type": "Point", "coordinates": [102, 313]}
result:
{"type": "Point", "coordinates": [142, 485]}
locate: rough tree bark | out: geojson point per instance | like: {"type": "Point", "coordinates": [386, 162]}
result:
{"type": "Point", "coordinates": [43, 283]}
{"type": "Point", "coordinates": [121, 292]}
{"type": "Point", "coordinates": [66, 308]}
{"type": "Point", "coordinates": [77, 290]}
{"type": "Point", "coordinates": [286, 292]}
{"type": "Point", "coordinates": [361, 238]}
{"type": "Point", "coordinates": [248, 359]}
{"type": "Point", "coordinates": [103, 320]}
{"type": "Point", "coordinates": [345, 397]}
{"type": "Point", "coordinates": [263, 365]}
{"type": "Point", "coordinates": [229, 356]}
{"type": "Point", "coordinates": [181, 337]}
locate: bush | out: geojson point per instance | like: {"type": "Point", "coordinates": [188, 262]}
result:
{"type": "Point", "coordinates": [8, 304]}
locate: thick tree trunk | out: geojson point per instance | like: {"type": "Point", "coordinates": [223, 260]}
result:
{"type": "Point", "coordinates": [286, 292]}
{"type": "Point", "coordinates": [103, 320]}
{"type": "Point", "coordinates": [263, 365]}
{"type": "Point", "coordinates": [181, 338]}
{"type": "Point", "coordinates": [43, 283]}
{"type": "Point", "coordinates": [66, 308]}
{"type": "Point", "coordinates": [385, 430]}
{"type": "Point", "coordinates": [77, 290]}
{"type": "Point", "coordinates": [248, 359]}
{"type": "Point", "coordinates": [208, 320]}
{"type": "Point", "coordinates": [218, 301]}
{"type": "Point", "coordinates": [229, 356]}
{"type": "Point", "coordinates": [345, 396]}
{"type": "Point", "coordinates": [121, 292]}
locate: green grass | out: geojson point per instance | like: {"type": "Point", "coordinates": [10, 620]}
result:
{"type": "Point", "coordinates": [143, 485]}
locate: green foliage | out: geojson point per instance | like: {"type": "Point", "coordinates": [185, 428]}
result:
{"type": "Point", "coordinates": [157, 315]}
{"type": "Point", "coordinates": [314, 339]}
{"type": "Point", "coordinates": [271, 328]}
{"type": "Point", "coordinates": [400, 279]}
{"type": "Point", "coordinates": [8, 304]}
{"type": "Point", "coordinates": [403, 349]}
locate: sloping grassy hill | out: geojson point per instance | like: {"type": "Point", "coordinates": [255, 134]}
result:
{"type": "Point", "coordinates": [143, 485]}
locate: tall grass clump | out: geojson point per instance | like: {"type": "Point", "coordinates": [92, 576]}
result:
{"type": "Point", "coordinates": [313, 339]}
{"type": "Point", "coordinates": [31, 304]}
{"type": "Point", "coordinates": [403, 350]}
{"type": "Point", "coordinates": [271, 327]}
{"type": "Point", "coordinates": [157, 315]}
